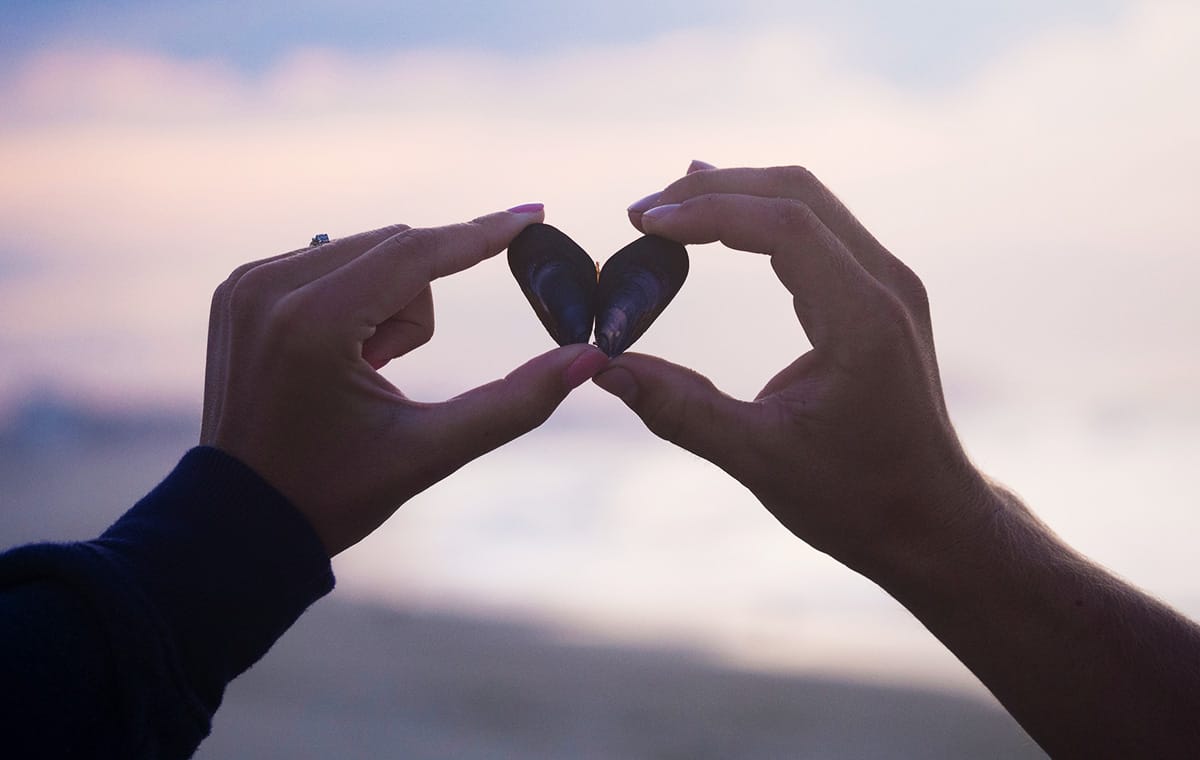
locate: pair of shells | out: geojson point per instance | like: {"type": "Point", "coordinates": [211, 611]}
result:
{"type": "Point", "coordinates": [572, 295]}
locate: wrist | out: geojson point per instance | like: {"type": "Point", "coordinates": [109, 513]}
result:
{"type": "Point", "coordinates": [223, 560]}
{"type": "Point", "coordinates": [990, 551]}
{"type": "Point", "coordinates": [963, 527]}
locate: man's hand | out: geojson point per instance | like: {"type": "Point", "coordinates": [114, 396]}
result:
{"type": "Point", "coordinates": [849, 446]}
{"type": "Point", "coordinates": [292, 390]}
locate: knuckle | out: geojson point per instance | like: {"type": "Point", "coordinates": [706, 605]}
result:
{"type": "Point", "coordinates": [891, 322]}
{"type": "Point", "coordinates": [703, 205]}
{"type": "Point", "coordinates": [912, 289]}
{"type": "Point", "coordinates": [221, 295]}
{"type": "Point", "coordinates": [225, 289]}
{"type": "Point", "coordinates": [250, 290]}
{"type": "Point", "coordinates": [289, 324]}
{"type": "Point", "coordinates": [262, 305]}
{"type": "Point", "coordinates": [424, 333]}
{"type": "Point", "coordinates": [288, 309]}
{"type": "Point", "coordinates": [411, 241]}
{"type": "Point", "coordinates": [796, 175]}
{"type": "Point", "coordinates": [475, 234]}
{"type": "Point", "coordinates": [689, 185]}
{"type": "Point", "coordinates": [794, 216]}
{"type": "Point", "coordinates": [374, 237]}
{"type": "Point", "coordinates": [419, 245]}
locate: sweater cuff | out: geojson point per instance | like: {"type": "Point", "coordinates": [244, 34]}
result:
{"type": "Point", "coordinates": [226, 560]}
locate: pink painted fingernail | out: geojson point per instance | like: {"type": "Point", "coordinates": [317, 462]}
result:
{"type": "Point", "coordinates": [659, 213]}
{"type": "Point", "coordinates": [644, 203]}
{"type": "Point", "coordinates": [527, 208]}
{"type": "Point", "coordinates": [585, 366]}
{"type": "Point", "coordinates": [699, 166]}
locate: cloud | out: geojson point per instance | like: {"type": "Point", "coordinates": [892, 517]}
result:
{"type": "Point", "coordinates": [1047, 201]}
{"type": "Point", "coordinates": [930, 42]}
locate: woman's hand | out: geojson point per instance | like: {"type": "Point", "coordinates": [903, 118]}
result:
{"type": "Point", "coordinates": [292, 390]}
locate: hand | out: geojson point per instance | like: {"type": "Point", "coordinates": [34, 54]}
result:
{"type": "Point", "coordinates": [850, 445]}
{"type": "Point", "coordinates": [291, 387]}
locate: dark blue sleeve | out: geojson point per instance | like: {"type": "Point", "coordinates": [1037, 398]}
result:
{"type": "Point", "coordinates": [121, 647]}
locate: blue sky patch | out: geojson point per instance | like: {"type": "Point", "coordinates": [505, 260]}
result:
{"type": "Point", "coordinates": [918, 44]}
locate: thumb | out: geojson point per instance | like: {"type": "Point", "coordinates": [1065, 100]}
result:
{"type": "Point", "coordinates": [680, 405]}
{"type": "Point", "coordinates": [484, 418]}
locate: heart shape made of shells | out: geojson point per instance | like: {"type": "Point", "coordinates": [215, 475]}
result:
{"type": "Point", "coordinates": [571, 294]}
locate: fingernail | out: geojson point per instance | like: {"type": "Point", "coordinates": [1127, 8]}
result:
{"type": "Point", "coordinates": [585, 366]}
{"type": "Point", "coordinates": [660, 212]}
{"type": "Point", "coordinates": [645, 203]}
{"type": "Point", "coordinates": [527, 208]}
{"type": "Point", "coordinates": [699, 166]}
{"type": "Point", "coordinates": [619, 382]}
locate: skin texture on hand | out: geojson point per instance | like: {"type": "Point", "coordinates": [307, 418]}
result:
{"type": "Point", "coordinates": [292, 388]}
{"type": "Point", "coordinates": [851, 448]}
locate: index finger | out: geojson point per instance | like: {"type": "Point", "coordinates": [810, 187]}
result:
{"type": "Point", "coordinates": [831, 291]}
{"type": "Point", "coordinates": [793, 182]}
{"type": "Point", "coordinates": [382, 281]}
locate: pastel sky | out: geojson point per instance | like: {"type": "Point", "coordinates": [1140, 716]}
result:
{"type": "Point", "coordinates": [1035, 162]}
{"type": "Point", "coordinates": [931, 41]}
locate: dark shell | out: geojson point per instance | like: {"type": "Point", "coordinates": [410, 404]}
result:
{"type": "Point", "coordinates": [636, 284]}
{"type": "Point", "coordinates": [558, 278]}
{"type": "Point", "coordinates": [560, 281]}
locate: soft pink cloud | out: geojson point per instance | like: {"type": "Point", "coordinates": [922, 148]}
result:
{"type": "Point", "coordinates": [1048, 201]}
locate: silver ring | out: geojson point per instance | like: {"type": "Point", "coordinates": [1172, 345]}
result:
{"type": "Point", "coordinates": [319, 239]}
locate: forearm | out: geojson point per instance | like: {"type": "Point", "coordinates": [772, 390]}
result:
{"type": "Point", "coordinates": [851, 447]}
{"type": "Point", "coordinates": [1089, 666]}
{"type": "Point", "coordinates": [122, 646]}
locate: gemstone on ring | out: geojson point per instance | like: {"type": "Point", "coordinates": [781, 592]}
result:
{"type": "Point", "coordinates": [319, 239]}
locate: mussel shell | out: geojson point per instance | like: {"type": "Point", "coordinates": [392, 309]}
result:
{"type": "Point", "coordinates": [636, 284]}
{"type": "Point", "coordinates": [558, 278]}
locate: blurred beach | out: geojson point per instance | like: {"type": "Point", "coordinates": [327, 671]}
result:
{"type": "Point", "coordinates": [614, 616]}
{"type": "Point", "coordinates": [369, 673]}
{"type": "Point", "coordinates": [363, 681]}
